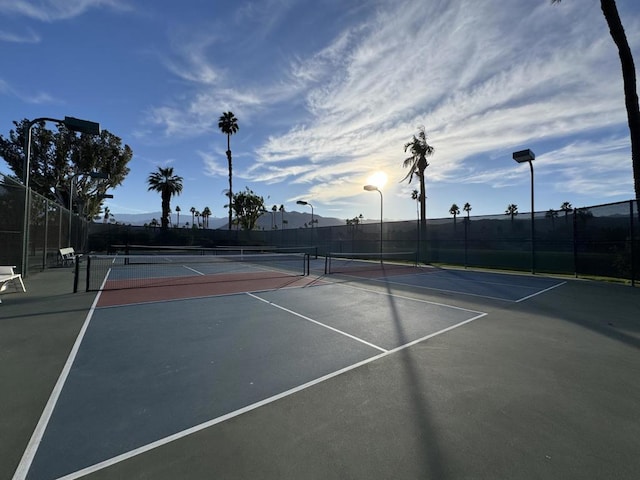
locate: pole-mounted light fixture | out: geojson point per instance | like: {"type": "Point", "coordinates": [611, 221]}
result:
{"type": "Point", "coordinates": [71, 123]}
{"type": "Point", "coordinates": [373, 188]}
{"type": "Point", "coordinates": [302, 202]}
{"type": "Point", "coordinates": [527, 156]}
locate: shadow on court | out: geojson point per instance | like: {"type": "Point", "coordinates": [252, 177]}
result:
{"type": "Point", "coordinates": [396, 377]}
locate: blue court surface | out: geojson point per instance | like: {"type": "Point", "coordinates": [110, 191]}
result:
{"type": "Point", "coordinates": [143, 375]}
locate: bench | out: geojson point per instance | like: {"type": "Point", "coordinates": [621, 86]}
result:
{"type": "Point", "coordinates": [8, 276]}
{"type": "Point", "coordinates": [68, 256]}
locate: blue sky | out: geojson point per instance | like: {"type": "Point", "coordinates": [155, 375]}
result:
{"type": "Point", "coordinates": [327, 92]}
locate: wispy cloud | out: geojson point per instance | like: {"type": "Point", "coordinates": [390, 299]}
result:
{"type": "Point", "coordinates": [54, 10]}
{"type": "Point", "coordinates": [34, 98]}
{"type": "Point", "coordinates": [483, 77]}
{"type": "Point", "coordinates": [28, 37]}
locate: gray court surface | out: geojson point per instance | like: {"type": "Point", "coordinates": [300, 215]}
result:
{"type": "Point", "coordinates": [146, 372]}
{"type": "Point", "coordinates": [401, 377]}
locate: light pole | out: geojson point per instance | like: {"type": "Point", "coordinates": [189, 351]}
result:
{"type": "Point", "coordinates": [372, 188]}
{"type": "Point", "coordinates": [521, 157]}
{"type": "Point", "coordinates": [73, 124]}
{"type": "Point", "coordinates": [302, 202]}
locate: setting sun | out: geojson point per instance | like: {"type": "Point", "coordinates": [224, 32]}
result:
{"type": "Point", "coordinates": [379, 179]}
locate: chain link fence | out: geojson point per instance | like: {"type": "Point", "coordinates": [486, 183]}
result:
{"type": "Point", "coordinates": [599, 241]}
{"type": "Point", "coordinates": [50, 227]}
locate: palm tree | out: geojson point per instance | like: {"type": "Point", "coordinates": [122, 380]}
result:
{"type": "Point", "coordinates": [274, 209]}
{"type": "Point", "coordinates": [455, 211]}
{"type": "Point", "coordinates": [281, 209]}
{"type": "Point", "coordinates": [178, 213]}
{"type": "Point", "coordinates": [193, 215]}
{"type": "Point", "coordinates": [552, 214]}
{"type": "Point", "coordinates": [417, 164]}
{"type": "Point", "coordinates": [168, 184]}
{"type": "Point", "coordinates": [228, 124]}
{"type": "Point", "coordinates": [612, 17]}
{"type": "Point", "coordinates": [467, 208]}
{"type": "Point", "coordinates": [206, 213]}
{"type": "Point", "coordinates": [512, 210]}
{"type": "Point", "coordinates": [566, 208]}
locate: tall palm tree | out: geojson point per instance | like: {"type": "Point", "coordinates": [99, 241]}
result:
{"type": "Point", "coordinates": [612, 17]}
{"type": "Point", "coordinates": [467, 208]}
{"type": "Point", "coordinates": [455, 211]}
{"type": "Point", "coordinates": [206, 213]}
{"type": "Point", "coordinates": [512, 209]}
{"type": "Point", "coordinates": [274, 209]}
{"type": "Point", "coordinates": [281, 209]}
{"type": "Point", "coordinates": [168, 184]}
{"type": "Point", "coordinates": [228, 124]}
{"type": "Point", "coordinates": [566, 208]}
{"type": "Point", "coordinates": [193, 215]}
{"type": "Point", "coordinates": [178, 213]}
{"type": "Point", "coordinates": [552, 215]}
{"type": "Point", "coordinates": [417, 164]}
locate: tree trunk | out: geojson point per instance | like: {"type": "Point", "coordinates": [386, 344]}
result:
{"type": "Point", "coordinates": [230, 187]}
{"type": "Point", "coordinates": [423, 215]}
{"type": "Point", "coordinates": [166, 202]}
{"type": "Point", "coordinates": [610, 11]}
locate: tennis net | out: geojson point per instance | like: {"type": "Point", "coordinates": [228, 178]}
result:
{"type": "Point", "coordinates": [133, 249]}
{"type": "Point", "coordinates": [340, 262]}
{"type": "Point", "coordinates": [115, 272]}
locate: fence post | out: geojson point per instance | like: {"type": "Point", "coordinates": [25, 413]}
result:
{"type": "Point", "coordinates": [575, 243]}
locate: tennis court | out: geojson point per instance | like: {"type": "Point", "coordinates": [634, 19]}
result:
{"type": "Point", "coordinates": [249, 358]}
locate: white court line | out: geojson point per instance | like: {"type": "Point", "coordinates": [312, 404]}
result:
{"type": "Point", "coordinates": [318, 323]}
{"type": "Point", "coordinates": [32, 447]}
{"type": "Point", "coordinates": [540, 292]}
{"type": "Point", "coordinates": [194, 270]}
{"type": "Point", "coordinates": [461, 292]}
{"type": "Point", "coordinates": [408, 298]}
{"type": "Point", "coordinates": [190, 431]}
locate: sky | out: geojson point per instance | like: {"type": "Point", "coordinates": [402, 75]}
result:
{"type": "Point", "coordinates": [328, 92]}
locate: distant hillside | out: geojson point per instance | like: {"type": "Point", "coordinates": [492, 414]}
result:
{"type": "Point", "coordinates": [292, 219]}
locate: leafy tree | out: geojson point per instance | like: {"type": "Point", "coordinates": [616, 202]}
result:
{"type": "Point", "coordinates": [248, 207]}
{"type": "Point", "coordinates": [60, 158]}
{"type": "Point", "coordinates": [512, 210]}
{"type": "Point", "coordinates": [616, 29]}
{"type": "Point", "coordinates": [168, 184]}
{"type": "Point", "coordinates": [228, 124]}
{"type": "Point", "coordinates": [417, 164]}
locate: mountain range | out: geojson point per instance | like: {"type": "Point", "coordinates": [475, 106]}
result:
{"type": "Point", "coordinates": [265, 222]}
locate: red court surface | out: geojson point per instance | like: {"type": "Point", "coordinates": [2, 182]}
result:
{"type": "Point", "coordinates": [200, 286]}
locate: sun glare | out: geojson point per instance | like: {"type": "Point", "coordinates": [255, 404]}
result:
{"type": "Point", "coordinates": [379, 179]}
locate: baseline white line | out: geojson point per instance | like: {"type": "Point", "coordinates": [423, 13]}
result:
{"type": "Point", "coordinates": [423, 287]}
{"type": "Point", "coordinates": [32, 447]}
{"type": "Point", "coordinates": [540, 292]}
{"type": "Point", "coordinates": [304, 317]}
{"type": "Point", "coordinates": [410, 298]}
{"type": "Point", "coordinates": [248, 408]}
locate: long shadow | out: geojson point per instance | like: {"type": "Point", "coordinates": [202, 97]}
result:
{"type": "Point", "coordinates": [426, 437]}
